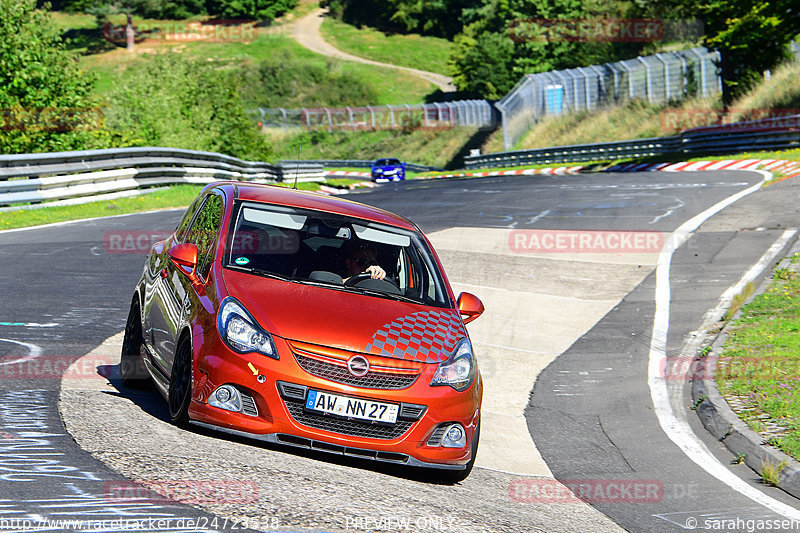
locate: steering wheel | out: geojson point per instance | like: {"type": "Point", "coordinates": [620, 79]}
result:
{"type": "Point", "coordinates": [355, 280]}
{"type": "Point", "coordinates": [358, 278]}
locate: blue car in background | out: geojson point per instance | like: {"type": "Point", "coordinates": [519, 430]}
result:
{"type": "Point", "coordinates": [388, 169]}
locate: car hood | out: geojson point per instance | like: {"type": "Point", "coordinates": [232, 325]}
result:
{"type": "Point", "coordinates": [348, 320]}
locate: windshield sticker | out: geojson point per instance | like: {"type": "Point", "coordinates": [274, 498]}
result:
{"type": "Point", "coordinates": [428, 337]}
{"type": "Point", "coordinates": [241, 261]}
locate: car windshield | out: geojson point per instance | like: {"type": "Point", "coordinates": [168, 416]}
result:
{"type": "Point", "coordinates": [330, 250]}
{"type": "Point", "coordinates": [386, 162]}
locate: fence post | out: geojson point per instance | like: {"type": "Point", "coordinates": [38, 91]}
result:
{"type": "Point", "coordinates": [631, 92]}
{"type": "Point", "coordinates": [601, 84]}
{"type": "Point", "coordinates": [666, 76]}
{"type": "Point", "coordinates": [702, 69]}
{"type": "Point", "coordinates": [330, 119]}
{"type": "Point", "coordinates": [648, 84]}
{"type": "Point", "coordinates": [372, 116]}
{"type": "Point", "coordinates": [391, 116]}
{"type": "Point", "coordinates": [504, 121]}
{"type": "Point", "coordinates": [285, 120]}
{"type": "Point", "coordinates": [455, 114]}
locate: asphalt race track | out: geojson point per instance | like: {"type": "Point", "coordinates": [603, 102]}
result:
{"type": "Point", "coordinates": [591, 414]}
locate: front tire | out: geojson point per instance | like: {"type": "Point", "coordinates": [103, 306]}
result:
{"type": "Point", "coordinates": [131, 366]}
{"type": "Point", "coordinates": [180, 385]}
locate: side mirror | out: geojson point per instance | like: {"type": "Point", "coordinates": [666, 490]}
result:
{"type": "Point", "coordinates": [469, 306]}
{"type": "Point", "coordinates": [185, 258]}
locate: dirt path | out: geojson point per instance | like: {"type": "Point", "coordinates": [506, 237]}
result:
{"type": "Point", "coordinates": [306, 32]}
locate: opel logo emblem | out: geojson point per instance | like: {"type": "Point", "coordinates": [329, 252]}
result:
{"type": "Point", "coordinates": [358, 365]}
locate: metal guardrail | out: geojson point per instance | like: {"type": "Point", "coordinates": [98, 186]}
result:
{"type": "Point", "coordinates": [35, 178]}
{"type": "Point", "coordinates": [354, 163]}
{"type": "Point", "coordinates": [770, 134]}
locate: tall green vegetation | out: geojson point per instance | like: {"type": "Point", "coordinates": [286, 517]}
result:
{"type": "Point", "coordinates": [179, 9]}
{"type": "Point", "coordinates": [286, 79]}
{"type": "Point", "coordinates": [184, 102]}
{"type": "Point", "coordinates": [46, 101]}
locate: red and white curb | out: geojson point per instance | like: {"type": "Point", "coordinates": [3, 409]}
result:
{"type": "Point", "coordinates": [337, 191]}
{"type": "Point", "coordinates": [347, 174]}
{"type": "Point", "coordinates": [789, 169]}
{"type": "Point", "coordinates": [554, 171]}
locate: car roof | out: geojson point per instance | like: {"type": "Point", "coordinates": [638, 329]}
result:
{"type": "Point", "coordinates": [274, 194]}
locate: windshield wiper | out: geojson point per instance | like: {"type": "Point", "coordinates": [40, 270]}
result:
{"type": "Point", "coordinates": [388, 295]}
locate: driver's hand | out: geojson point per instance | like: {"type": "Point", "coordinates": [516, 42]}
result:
{"type": "Point", "coordinates": [375, 271]}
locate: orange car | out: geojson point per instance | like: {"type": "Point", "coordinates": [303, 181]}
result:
{"type": "Point", "coordinates": [310, 321]}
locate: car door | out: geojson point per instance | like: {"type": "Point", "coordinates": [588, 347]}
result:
{"type": "Point", "coordinates": [180, 297]}
{"type": "Point", "coordinates": [156, 270]}
{"type": "Point", "coordinates": [204, 233]}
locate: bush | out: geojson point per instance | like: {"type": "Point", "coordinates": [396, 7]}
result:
{"type": "Point", "coordinates": [286, 80]}
{"type": "Point", "coordinates": [175, 101]}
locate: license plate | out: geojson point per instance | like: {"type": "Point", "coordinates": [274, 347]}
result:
{"type": "Point", "coordinates": [352, 407]}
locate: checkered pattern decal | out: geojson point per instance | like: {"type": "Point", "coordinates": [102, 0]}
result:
{"type": "Point", "coordinates": [427, 337]}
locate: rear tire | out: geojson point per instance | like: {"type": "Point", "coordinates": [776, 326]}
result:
{"type": "Point", "coordinates": [131, 366]}
{"type": "Point", "coordinates": [456, 476]}
{"type": "Point", "coordinates": [180, 385]}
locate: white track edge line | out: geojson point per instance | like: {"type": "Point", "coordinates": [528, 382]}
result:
{"type": "Point", "coordinates": [680, 433]}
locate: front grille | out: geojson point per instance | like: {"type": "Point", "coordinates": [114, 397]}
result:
{"type": "Point", "coordinates": [352, 428]}
{"type": "Point", "coordinates": [340, 374]}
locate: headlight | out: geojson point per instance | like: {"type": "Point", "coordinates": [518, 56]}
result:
{"type": "Point", "coordinates": [458, 370]}
{"type": "Point", "coordinates": [241, 332]}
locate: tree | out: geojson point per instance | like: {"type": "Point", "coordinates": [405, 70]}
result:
{"type": "Point", "coordinates": [253, 9]}
{"type": "Point", "coordinates": [46, 101]}
{"type": "Point", "coordinates": [751, 36]}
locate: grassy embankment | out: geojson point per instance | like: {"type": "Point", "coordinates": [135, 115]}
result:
{"type": "Point", "coordinates": [414, 51]}
{"type": "Point", "coordinates": [759, 370]}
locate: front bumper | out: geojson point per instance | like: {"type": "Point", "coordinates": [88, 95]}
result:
{"type": "Point", "coordinates": [281, 418]}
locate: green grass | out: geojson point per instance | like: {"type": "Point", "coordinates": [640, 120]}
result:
{"type": "Point", "coordinates": [760, 364]}
{"type": "Point", "coordinates": [415, 51]}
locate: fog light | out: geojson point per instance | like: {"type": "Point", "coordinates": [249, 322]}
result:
{"type": "Point", "coordinates": [455, 437]}
{"type": "Point", "coordinates": [226, 397]}
{"type": "Point", "coordinates": [223, 394]}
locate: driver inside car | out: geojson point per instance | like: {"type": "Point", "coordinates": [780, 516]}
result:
{"type": "Point", "coordinates": [362, 258]}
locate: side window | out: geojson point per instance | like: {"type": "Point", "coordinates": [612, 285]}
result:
{"type": "Point", "coordinates": [183, 225]}
{"type": "Point", "coordinates": [204, 233]}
